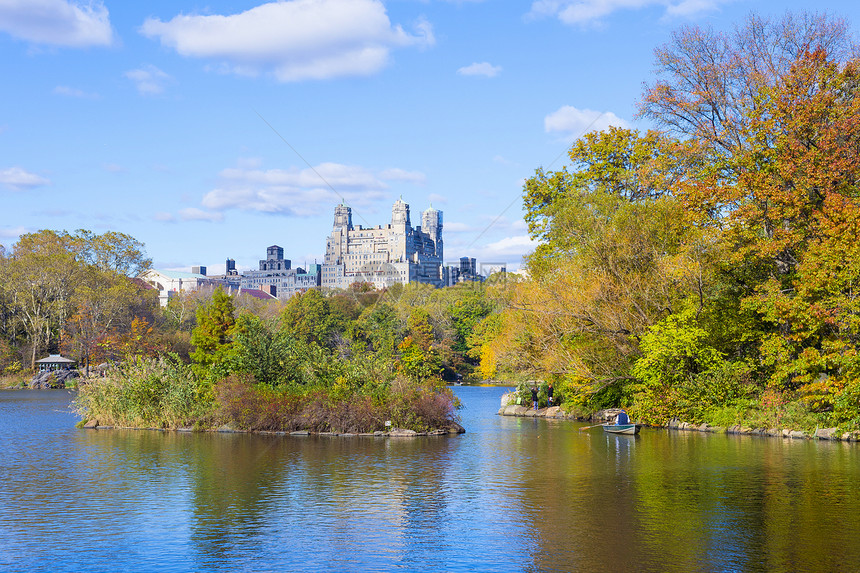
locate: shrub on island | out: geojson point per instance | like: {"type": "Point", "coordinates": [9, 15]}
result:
{"type": "Point", "coordinates": [164, 393]}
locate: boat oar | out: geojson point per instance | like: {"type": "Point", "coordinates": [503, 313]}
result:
{"type": "Point", "coordinates": [589, 427]}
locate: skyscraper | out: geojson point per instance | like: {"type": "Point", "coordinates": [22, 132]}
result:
{"type": "Point", "coordinates": [386, 254]}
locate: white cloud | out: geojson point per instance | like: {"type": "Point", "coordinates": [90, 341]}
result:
{"type": "Point", "coordinates": [299, 192]}
{"type": "Point", "coordinates": [575, 122]}
{"type": "Point", "coordinates": [516, 247]}
{"type": "Point", "coordinates": [325, 174]}
{"type": "Point", "coordinates": [293, 40]}
{"type": "Point", "coordinates": [249, 162]}
{"type": "Point", "coordinates": [195, 214]}
{"type": "Point", "coordinates": [454, 227]}
{"type": "Point", "coordinates": [164, 217]}
{"type": "Point", "coordinates": [508, 251]}
{"type": "Point", "coordinates": [480, 69]}
{"type": "Point", "coordinates": [582, 12]}
{"type": "Point", "coordinates": [688, 8]}
{"type": "Point", "coordinates": [74, 92]}
{"type": "Point", "coordinates": [403, 176]}
{"type": "Point", "coordinates": [18, 179]}
{"type": "Point", "coordinates": [13, 232]}
{"type": "Point", "coordinates": [57, 22]}
{"type": "Point", "coordinates": [148, 79]}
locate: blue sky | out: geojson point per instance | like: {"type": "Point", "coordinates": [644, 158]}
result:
{"type": "Point", "coordinates": [214, 129]}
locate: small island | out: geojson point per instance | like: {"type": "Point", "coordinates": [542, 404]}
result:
{"type": "Point", "coordinates": [249, 374]}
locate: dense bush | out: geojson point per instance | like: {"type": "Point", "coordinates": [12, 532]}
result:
{"type": "Point", "coordinates": [249, 406]}
{"type": "Point", "coordinates": [145, 392]}
{"type": "Point", "coordinates": [343, 396]}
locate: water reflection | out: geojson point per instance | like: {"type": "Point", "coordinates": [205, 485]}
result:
{"type": "Point", "coordinates": [510, 495]}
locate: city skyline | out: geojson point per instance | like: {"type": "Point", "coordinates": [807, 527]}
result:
{"type": "Point", "coordinates": [212, 131]}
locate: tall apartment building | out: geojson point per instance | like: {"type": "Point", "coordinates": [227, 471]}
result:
{"type": "Point", "coordinates": [386, 254]}
{"type": "Point", "coordinates": [278, 278]}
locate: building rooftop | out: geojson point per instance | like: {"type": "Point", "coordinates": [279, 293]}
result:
{"type": "Point", "coordinates": [256, 293]}
{"type": "Point", "coordinates": [55, 359]}
{"type": "Point", "coordinates": [179, 274]}
{"type": "Point", "coordinates": [142, 284]}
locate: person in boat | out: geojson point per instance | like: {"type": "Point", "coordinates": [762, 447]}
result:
{"type": "Point", "coordinates": [622, 418]}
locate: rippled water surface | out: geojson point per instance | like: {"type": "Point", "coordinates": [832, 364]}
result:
{"type": "Point", "coordinates": [512, 494]}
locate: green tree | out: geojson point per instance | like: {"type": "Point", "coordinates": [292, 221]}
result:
{"type": "Point", "coordinates": [213, 336]}
{"type": "Point", "coordinates": [307, 317]}
{"type": "Point", "coordinates": [618, 162]}
{"type": "Point", "coordinates": [676, 360]}
{"type": "Point", "coordinates": [378, 328]}
{"type": "Point", "coordinates": [419, 359]}
{"type": "Point", "coordinates": [469, 307]}
{"type": "Point", "coordinates": [268, 353]}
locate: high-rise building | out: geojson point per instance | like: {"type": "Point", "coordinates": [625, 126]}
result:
{"type": "Point", "coordinates": [278, 278]}
{"type": "Point", "coordinates": [386, 254]}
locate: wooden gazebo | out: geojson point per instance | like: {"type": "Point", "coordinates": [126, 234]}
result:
{"type": "Point", "coordinates": [55, 362]}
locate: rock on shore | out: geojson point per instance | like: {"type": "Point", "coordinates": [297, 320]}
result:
{"type": "Point", "coordinates": [510, 408]}
{"type": "Point", "coordinates": [52, 379]}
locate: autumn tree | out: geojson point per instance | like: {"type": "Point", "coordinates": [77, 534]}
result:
{"type": "Point", "coordinates": [112, 252]}
{"type": "Point", "coordinates": [708, 83]}
{"type": "Point", "coordinates": [44, 271]}
{"type": "Point", "coordinates": [138, 340]}
{"type": "Point", "coordinates": [39, 279]}
{"type": "Point", "coordinates": [813, 198]}
{"type": "Point", "coordinates": [617, 254]}
{"type": "Point", "coordinates": [771, 111]}
{"type": "Point", "coordinates": [105, 303]}
{"type": "Point", "coordinates": [774, 109]}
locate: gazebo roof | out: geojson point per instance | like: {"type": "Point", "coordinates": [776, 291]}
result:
{"type": "Point", "coordinates": [55, 359]}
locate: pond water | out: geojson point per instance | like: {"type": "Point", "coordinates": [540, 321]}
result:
{"type": "Point", "coordinates": [512, 494]}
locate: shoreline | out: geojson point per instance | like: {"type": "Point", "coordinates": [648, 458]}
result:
{"type": "Point", "coordinates": [555, 413]}
{"type": "Point", "coordinates": [452, 430]}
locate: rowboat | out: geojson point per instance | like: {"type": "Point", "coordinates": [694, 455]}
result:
{"type": "Point", "coordinates": [628, 429]}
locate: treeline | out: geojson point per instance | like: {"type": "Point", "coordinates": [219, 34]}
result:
{"type": "Point", "coordinates": [708, 271]}
{"type": "Point", "coordinates": [75, 294]}
{"type": "Point", "coordinates": [71, 292]}
{"type": "Point", "coordinates": [336, 361]}
{"type": "Point", "coordinates": [343, 362]}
